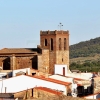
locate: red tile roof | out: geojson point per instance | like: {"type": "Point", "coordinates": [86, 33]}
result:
{"type": "Point", "coordinates": [49, 90]}
{"type": "Point", "coordinates": [52, 80]}
{"type": "Point", "coordinates": [15, 50]}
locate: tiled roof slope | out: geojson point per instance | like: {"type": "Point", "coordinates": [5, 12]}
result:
{"type": "Point", "coordinates": [51, 80]}
{"type": "Point", "coordinates": [49, 90]}
{"type": "Point", "coordinates": [17, 50]}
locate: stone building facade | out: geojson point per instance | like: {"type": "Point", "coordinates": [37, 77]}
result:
{"type": "Point", "coordinates": [17, 58]}
{"type": "Point", "coordinates": [53, 49]}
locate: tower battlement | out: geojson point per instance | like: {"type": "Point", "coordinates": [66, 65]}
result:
{"type": "Point", "coordinates": [54, 32]}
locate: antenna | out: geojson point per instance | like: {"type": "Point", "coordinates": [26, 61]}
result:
{"type": "Point", "coordinates": [60, 25]}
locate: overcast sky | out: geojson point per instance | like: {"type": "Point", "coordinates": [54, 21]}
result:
{"type": "Point", "coordinates": [22, 20]}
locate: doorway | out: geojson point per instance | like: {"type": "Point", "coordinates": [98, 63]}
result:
{"type": "Point", "coordinates": [63, 71]}
{"type": "Point", "coordinates": [6, 64]}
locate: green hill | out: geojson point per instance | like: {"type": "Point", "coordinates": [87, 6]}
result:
{"type": "Point", "coordinates": [85, 55]}
{"type": "Point", "coordinates": [85, 49]}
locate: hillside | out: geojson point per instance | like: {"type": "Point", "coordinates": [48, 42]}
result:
{"type": "Point", "coordinates": [85, 49]}
{"type": "Point", "coordinates": [85, 55]}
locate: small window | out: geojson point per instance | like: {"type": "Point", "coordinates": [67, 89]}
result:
{"type": "Point", "coordinates": [62, 59]}
{"type": "Point", "coordinates": [59, 43]}
{"type": "Point", "coordinates": [64, 43]}
{"type": "Point", "coordinates": [51, 44]}
{"type": "Point", "coordinates": [45, 42]}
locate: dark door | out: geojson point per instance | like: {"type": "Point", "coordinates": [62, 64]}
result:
{"type": "Point", "coordinates": [6, 64]}
{"type": "Point", "coordinates": [63, 71]}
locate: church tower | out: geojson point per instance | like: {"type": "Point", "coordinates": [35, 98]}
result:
{"type": "Point", "coordinates": [57, 44]}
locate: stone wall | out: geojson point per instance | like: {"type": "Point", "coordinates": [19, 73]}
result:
{"type": "Point", "coordinates": [43, 61]}
{"type": "Point", "coordinates": [1, 60]}
{"type": "Point", "coordinates": [22, 94]}
{"type": "Point", "coordinates": [20, 62]}
{"type": "Point", "coordinates": [96, 85]}
{"type": "Point", "coordinates": [38, 93]}
{"type": "Point", "coordinates": [52, 61]}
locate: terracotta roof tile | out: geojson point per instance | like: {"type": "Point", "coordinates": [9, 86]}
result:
{"type": "Point", "coordinates": [52, 80]}
{"type": "Point", "coordinates": [49, 90]}
{"type": "Point", "coordinates": [16, 50]}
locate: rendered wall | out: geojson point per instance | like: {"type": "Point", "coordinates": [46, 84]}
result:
{"type": "Point", "coordinates": [20, 83]}
{"type": "Point", "coordinates": [65, 79]}
{"type": "Point", "coordinates": [80, 75]}
{"type": "Point", "coordinates": [23, 70]}
{"type": "Point", "coordinates": [59, 69]}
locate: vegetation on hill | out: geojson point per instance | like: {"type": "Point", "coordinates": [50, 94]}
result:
{"type": "Point", "coordinates": [85, 56]}
{"type": "Point", "coordinates": [86, 66]}
{"type": "Point", "coordinates": [85, 49]}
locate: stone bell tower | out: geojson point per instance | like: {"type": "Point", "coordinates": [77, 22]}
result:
{"type": "Point", "coordinates": [56, 46]}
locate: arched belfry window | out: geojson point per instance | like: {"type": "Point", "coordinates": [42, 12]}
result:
{"type": "Point", "coordinates": [65, 43]}
{"type": "Point", "coordinates": [51, 44]}
{"type": "Point", "coordinates": [59, 43]}
{"type": "Point", "coordinates": [45, 42]}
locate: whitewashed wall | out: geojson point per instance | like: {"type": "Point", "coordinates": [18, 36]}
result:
{"type": "Point", "coordinates": [23, 70]}
{"type": "Point", "coordinates": [80, 75]}
{"type": "Point", "coordinates": [22, 82]}
{"type": "Point", "coordinates": [59, 69]}
{"type": "Point", "coordinates": [3, 74]}
{"type": "Point", "coordinates": [62, 78]}
{"type": "Point", "coordinates": [65, 79]}
{"type": "Point", "coordinates": [95, 96]}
